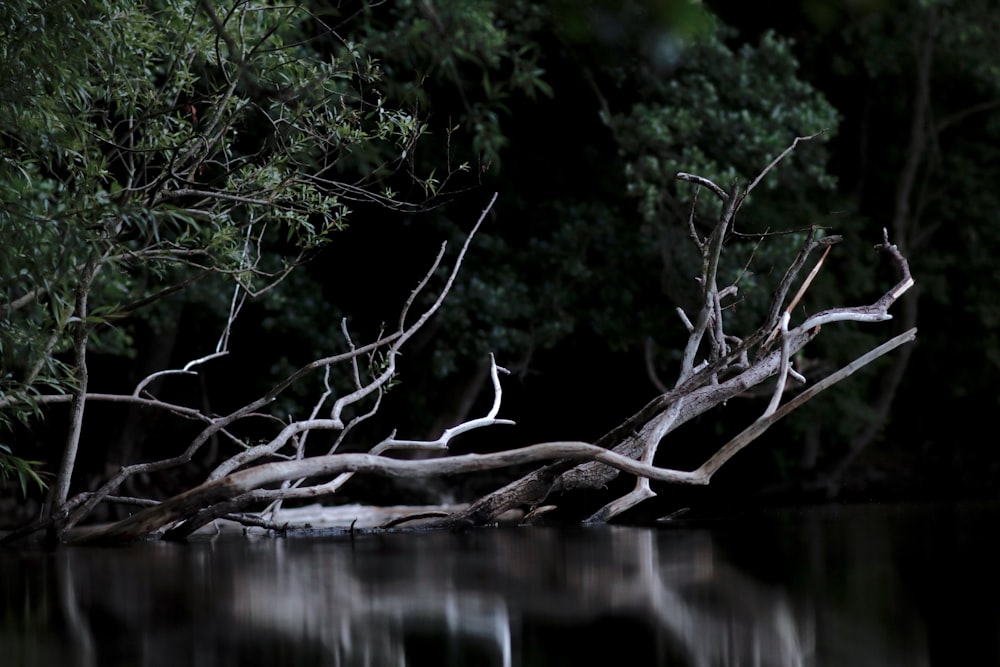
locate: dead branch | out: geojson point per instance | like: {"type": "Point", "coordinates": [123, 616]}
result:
{"type": "Point", "coordinates": [715, 367]}
{"type": "Point", "coordinates": [242, 489]}
{"type": "Point", "coordinates": [404, 333]}
{"type": "Point", "coordinates": [227, 494]}
{"type": "Point", "coordinates": [297, 491]}
{"type": "Point", "coordinates": [393, 342]}
{"type": "Point", "coordinates": [755, 430]}
{"type": "Point", "coordinates": [699, 386]}
{"type": "Point", "coordinates": [785, 153]}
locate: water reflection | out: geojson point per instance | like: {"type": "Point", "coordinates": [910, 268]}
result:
{"type": "Point", "coordinates": [496, 587]}
{"type": "Point", "coordinates": [786, 590]}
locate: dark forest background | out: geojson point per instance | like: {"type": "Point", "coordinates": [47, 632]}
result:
{"type": "Point", "coordinates": [579, 114]}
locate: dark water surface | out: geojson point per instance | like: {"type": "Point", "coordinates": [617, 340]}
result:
{"type": "Point", "coordinates": [834, 586]}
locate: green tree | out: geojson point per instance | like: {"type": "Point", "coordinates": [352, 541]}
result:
{"type": "Point", "coordinates": [931, 183]}
{"type": "Point", "coordinates": [916, 84]}
{"type": "Point", "coordinates": [171, 143]}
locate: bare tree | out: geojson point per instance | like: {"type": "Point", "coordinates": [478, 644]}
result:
{"type": "Point", "coordinates": [716, 366]}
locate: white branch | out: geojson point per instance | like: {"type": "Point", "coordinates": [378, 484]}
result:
{"type": "Point", "coordinates": [449, 433]}
{"type": "Point", "coordinates": [222, 490]}
{"type": "Point", "coordinates": [441, 443]}
{"type": "Point", "coordinates": [786, 365]}
{"type": "Point", "coordinates": [335, 422]}
{"type": "Point", "coordinates": [704, 182]}
{"type": "Point", "coordinates": [651, 435]}
{"type": "Point", "coordinates": [407, 333]}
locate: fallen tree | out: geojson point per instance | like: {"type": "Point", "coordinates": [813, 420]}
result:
{"type": "Point", "coordinates": [250, 486]}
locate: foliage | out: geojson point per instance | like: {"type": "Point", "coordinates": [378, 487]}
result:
{"type": "Point", "coordinates": [173, 142]}
{"type": "Point", "coordinates": [460, 63]}
{"type": "Point", "coordinates": [15, 466]}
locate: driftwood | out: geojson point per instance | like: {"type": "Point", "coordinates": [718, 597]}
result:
{"type": "Point", "coordinates": [716, 366]}
{"type": "Point", "coordinates": [732, 367]}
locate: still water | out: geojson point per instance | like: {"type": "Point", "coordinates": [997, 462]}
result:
{"type": "Point", "coordinates": [833, 586]}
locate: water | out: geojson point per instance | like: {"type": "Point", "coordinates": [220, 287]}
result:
{"type": "Point", "coordinates": [835, 586]}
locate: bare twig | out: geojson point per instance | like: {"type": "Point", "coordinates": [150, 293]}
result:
{"type": "Point", "coordinates": [781, 156]}
{"type": "Point", "coordinates": [798, 295]}
{"type": "Point", "coordinates": [335, 422]}
{"type": "Point", "coordinates": [649, 348]}
{"type": "Point", "coordinates": [704, 182]}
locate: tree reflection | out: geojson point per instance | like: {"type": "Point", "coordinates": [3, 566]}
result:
{"type": "Point", "coordinates": [491, 597]}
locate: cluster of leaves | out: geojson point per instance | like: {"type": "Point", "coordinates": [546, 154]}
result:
{"type": "Point", "coordinates": [22, 469]}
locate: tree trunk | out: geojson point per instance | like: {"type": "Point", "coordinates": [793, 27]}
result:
{"type": "Point", "coordinates": [59, 491]}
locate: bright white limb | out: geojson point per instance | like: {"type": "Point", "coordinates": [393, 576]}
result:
{"type": "Point", "coordinates": [786, 364]}
{"type": "Point", "coordinates": [441, 443]}
{"type": "Point", "coordinates": [449, 433]}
